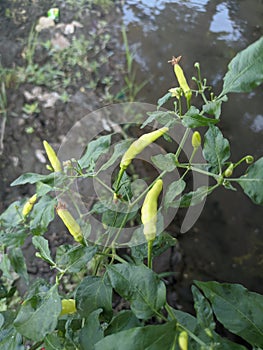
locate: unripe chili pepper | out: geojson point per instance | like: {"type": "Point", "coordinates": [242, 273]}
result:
{"type": "Point", "coordinates": [70, 222]}
{"type": "Point", "coordinates": [29, 205]}
{"type": "Point", "coordinates": [179, 73]}
{"type": "Point", "coordinates": [249, 159]}
{"type": "Point", "coordinates": [183, 340]}
{"type": "Point", "coordinates": [54, 161]}
{"type": "Point", "coordinates": [139, 145]}
{"type": "Point", "coordinates": [196, 139]}
{"type": "Point", "coordinates": [229, 171]}
{"type": "Point", "coordinates": [68, 306]}
{"type": "Point", "coordinates": [149, 211]}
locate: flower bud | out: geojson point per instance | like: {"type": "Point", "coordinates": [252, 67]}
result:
{"type": "Point", "coordinates": [229, 170]}
{"type": "Point", "coordinates": [196, 139]}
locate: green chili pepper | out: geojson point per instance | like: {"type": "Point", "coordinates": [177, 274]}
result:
{"type": "Point", "coordinates": [68, 306]}
{"type": "Point", "coordinates": [54, 161]}
{"type": "Point", "coordinates": [149, 211]}
{"type": "Point", "coordinates": [183, 340]}
{"type": "Point", "coordinates": [29, 205]}
{"type": "Point", "coordinates": [179, 73]}
{"type": "Point", "coordinates": [139, 145]}
{"type": "Point", "coordinates": [70, 222]}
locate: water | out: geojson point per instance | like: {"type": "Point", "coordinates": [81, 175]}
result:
{"type": "Point", "coordinates": [226, 243]}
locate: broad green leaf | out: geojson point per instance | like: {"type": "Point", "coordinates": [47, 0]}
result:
{"type": "Point", "coordinates": [164, 99]}
{"type": "Point", "coordinates": [165, 162]}
{"type": "Point", "coordinates": [214, 107]}
{"type": "Point", "coordinates": [192, 198]}
{"type": "Point", "coordinates": [12, 216]}
{"type": "Point", "coordinates": [174, 189]}
{"type": "Point", "coordinates": [74, 259]}
{"type": "Point", "coordinates": [119, 149]}
{"type": "Point", "coordinates": [18, 262]}
{"type": "Point", "coordinates": [124, 320]}
{"type": "Point", "coordinates": [239, 310]}
{"type": "Point", "coordinates": [42, 189]}
{"type": "Point", "coordinates": [10, 340]}
{"type": "Point", "coordinates": [32, 178]}
{"type": "Point", "coordinates": [42, 214]}
{"type": "Point", "coordinates": [94, 293]}
{"type": "Point", "coordinates": [252, 182]}
{"type": "Point", "coordinates": [203, 310]}
{"type": "Point", "coordinates": [141, 338]}
{"type": "Point", "coordinates": [245, 71]}
{"type": "Point", "coordinates": [140, 286]}
{"type": "Point", "coordinates": [94, 150]}
{"type": "Point", "coordinates": [41, 244]}
{"type": "Point", "coordinates": [5, 266]}
{"type": "Point", "coordinates": [38, 314]}
{"type": "Point", "coordinates": [216, 149]}
{"type": "Point", "coordinates": [193, 119]}
{"type": "Point", "coordinates": [91, 332]}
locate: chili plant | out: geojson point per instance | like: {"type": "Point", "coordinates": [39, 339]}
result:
{"type": "Point", "coordinates": [59, 316]}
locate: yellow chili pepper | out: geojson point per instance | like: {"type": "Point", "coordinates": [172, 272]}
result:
{"type": "Point", "coordinates": [196, 139]}
{"type": "Point", "coordinates": [68, 306]}
{"type": "Point", "coordinates": [229, 170]}
{"type": "Point", "coordinates": [139, 145]}
{"type": "Point", "coordinates": [149, 211]}
{"type": "Point", "coordinates": [183, 340]}
{"type": "Point", "coordinates": [54, 161]}
{"type": "Point", "coordinates": [29, 205]}
{"type": "Point", "coordinates": [179, 73]}
{"type": "Point", "coordinates": [70, 222]}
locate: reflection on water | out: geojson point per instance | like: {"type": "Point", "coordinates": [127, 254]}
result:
{"type": "Point", "coordinates": [210, 32]}
{"type": "Point", "coordinates": [223, 25]}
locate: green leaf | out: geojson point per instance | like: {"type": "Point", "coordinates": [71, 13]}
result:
{"type": "Point", "coordinates": [94, 150]}
{"type": "Point", "coordinates": [165, 162]}
{"type": "Point", "coordinates": [12, 216]}
{"type": "Point", "coordinates": [74, 259]}
{"type": "Point", "coordinates": [32, 178]}
{"type": "Point", "coordinates": [10, 339]}
{"type": "Point", "coordinates": [140, 286]}
{"type": "Point", "coordinates": [203, 310]}
{"type": "Point", "coordinates": [192, 198]}
{"type": "Point", "coordinates": [174, 189]}
{"type": "Point", "coordinates": [245, 71]}
{"type": "Point", "coordinates": [193, 119]}
{"type": "Point", "coordinates": [18, 262]}
{"type": "Point", "coordinates": [164, 99]}
{"type": "Point", "coordinates": [216, 149]}
{"type": "Point", "coordinates": [141, 338]}
{"type": "Point", "coordinates": [41, 244]}
{"type": "Point", "coordinates": [252, 182]}
{"type": "Point", "coordinates": [42, 189]}
{"type": "Point", "coordinates": [119, 149]}
{"type": "Point", "coordinates": [124, 320]}
{"type": "Point", "coordinates": [38, 314]}
{"type": "Point", "coordinates": [94, 293]}
{"type": "Point", "coordinates": [91, 332]}
{"type": "Point", "coordinates": [239, 310]}
{"type": "Point", "coordinates": [214, 107]}
{"type": "Point", "coordinates": [42, 214]}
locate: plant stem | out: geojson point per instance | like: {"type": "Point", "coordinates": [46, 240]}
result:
{"type": "Point", "coordinates": [150, 255]}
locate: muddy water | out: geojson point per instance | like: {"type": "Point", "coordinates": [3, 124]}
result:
{"type": "Point", "coordinates": [226, 243]}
